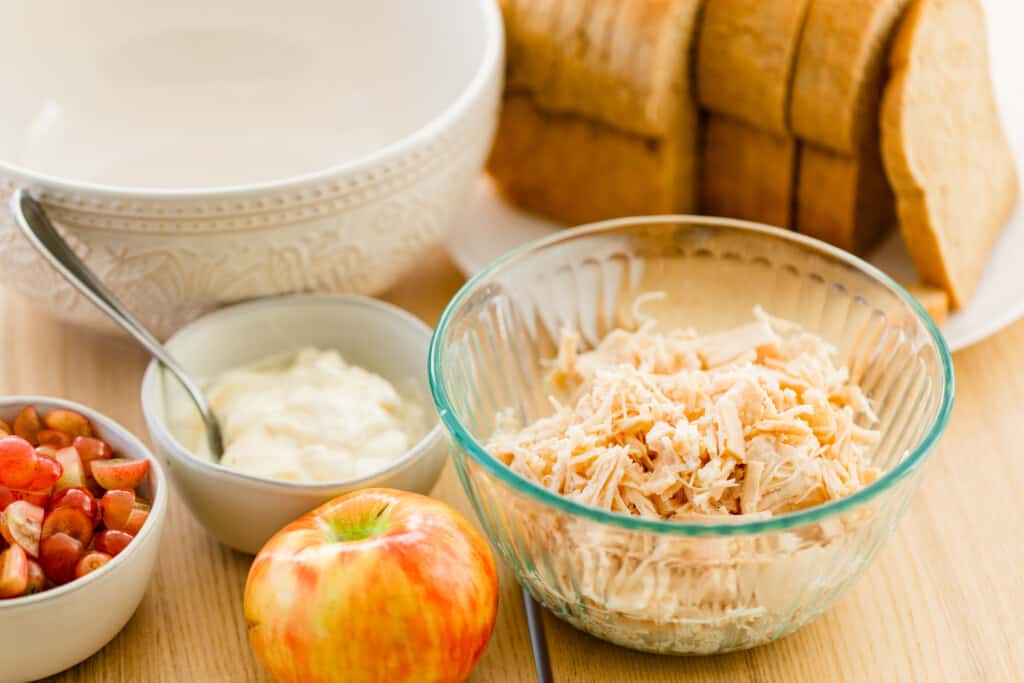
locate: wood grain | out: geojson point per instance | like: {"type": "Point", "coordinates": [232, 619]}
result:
{"type": "Point", "coordinates": [942, 602]}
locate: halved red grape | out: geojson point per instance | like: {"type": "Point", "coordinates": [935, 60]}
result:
{"type": "Point", "coordinates": [48, 472]}
{"type": "Point", "coordinates": [73, 512]}
{"type": "Point", "coordinates": [21, 523]}
{"type": "Point", "coordinates": [13, 572]}
{"type": "Point", "coordinates": [90, 448]}
{"type": "Point", "coordinates": [73, 474]}
{"type": "Point", "coordinates": [36, 578]}
{"type": "Point", "coordinates": [17, 462]}
{"type": "Point", "coordinates": [54, 438]}
{"type": "Point", "coordinates": [117, 506]}
{"type": "Point", "coordinates": [9, 495]}
{"type": "Point", "coordinates": [135, 521]}
{"type": "Point", "coordinates": [27, 425]}
{"type": "Point", "coordinates": [70, 422]}
{"type": "Point", "coordinates": [120, 473]}
{"type": "Point", "coordinates": [78, 499]}
{"type": "Point", "coordinates": [112, 542]}
{"type": "Point", "coordinates": [58, 556]}
{"type": "Point", "coordinates": [90, 562]}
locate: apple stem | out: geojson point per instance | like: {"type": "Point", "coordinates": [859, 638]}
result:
{"type": "Point", "coordinates": [353, 528]}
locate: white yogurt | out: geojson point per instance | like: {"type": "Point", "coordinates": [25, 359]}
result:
{"type": "Point", "coordinates": [311, 417]}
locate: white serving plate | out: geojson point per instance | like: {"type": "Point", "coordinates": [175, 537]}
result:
{"type": "Point", "coordinates": [488, 227]}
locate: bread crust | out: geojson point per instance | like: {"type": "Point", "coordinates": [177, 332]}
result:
{"type": "Point", "coordinates": [933, 300]}
{"type": "Point", "coordinates": [577, 170]}
{"type": "Point", "coordinates": [745, 58]}
{"type": "Point", "coordinates": [839, 73]}
{"type": "Point", "coordinates": [843, 200]}
{"type": "Point", "coordinates": [622, 62]}
{"type": "Point", "coordinates": [746, 173]}
{"type": "Point", "coordinates": [943, 145]}
{"type": "Point", "coordinates": [599, 118]}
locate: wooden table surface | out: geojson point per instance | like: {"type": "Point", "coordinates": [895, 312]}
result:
{"type": "Point", "coordinates": [944, 600]}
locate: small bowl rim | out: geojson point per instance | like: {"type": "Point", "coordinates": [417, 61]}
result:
{"type": "Point", "coordinates": [183, 455]}
{"type": "Point", "coordinates": [158, 511]}
{"type": "Point", "coordinates": [916, 456]}
{"type": "Point", "coordinates": [488, 66]}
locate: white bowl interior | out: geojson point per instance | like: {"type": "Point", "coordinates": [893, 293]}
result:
{"type": "Point", "coordinates": [209, 93]}
{"type": "Point", "coordinates": [368, 333]}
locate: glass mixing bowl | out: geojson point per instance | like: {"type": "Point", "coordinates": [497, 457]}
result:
{"type": "Point", "coordinates": [666, 586]}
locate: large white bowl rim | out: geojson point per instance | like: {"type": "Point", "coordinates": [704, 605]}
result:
{"type": "Point", "coordinates": [494, 50]}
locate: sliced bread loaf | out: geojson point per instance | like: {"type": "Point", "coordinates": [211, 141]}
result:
{"type": "Point", "coordinates": [746, 172]}
{"type": "Point", "coordinates": [562, 53]}
{"type": "Point", "coordinates": [746, 52]}
{"type": "Point", "coordinates": [841, 199]}
{"type": "Point", "coordinates": [945, 152]}
{"type": "Point", "coordinates": [842, 194]}
{"type": "Point", "coordinates": [578, 170]}
{"type": "Point", "coordinates": [839, 73]}
{"type": "Point", "coordinates": [600, 119]}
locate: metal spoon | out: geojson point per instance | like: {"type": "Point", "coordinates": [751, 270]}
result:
{"type": "Point", "coordinates": [539, 644]}
{"type": "Point", "coordinates": [31, 219]}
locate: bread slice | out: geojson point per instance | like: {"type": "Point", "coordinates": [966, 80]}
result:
{"type": "Point", "coordinates": [843, 200]}
{"type": "Point", "coordinates": [842, 194]}
{"type": "Point", "coordinates": [599, 118]}
{"type": "Point", "coordinates": [575, 169]}
{"type": "Point", "coordinates": [933, 300]}
{"type": "Point", "coordinates": [839, 73]}
{"type": "Point", "coordinates": [556, 51]}
{"type": "Point", "coordinates": [745, 58]}
{"type": "Point", "coordinates": [624, 62]}
{"type": "Point", "coordinates": [745, 172]}
{"type": "Point", "coordinates": [945, 152]}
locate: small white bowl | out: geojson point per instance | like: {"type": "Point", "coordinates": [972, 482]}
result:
{"type": "Point", "coordinates": [196, 154]}
{"type": "Point", "coordinates": [243, 511]}
{"type": "Point", "coordinates": [48, 632]}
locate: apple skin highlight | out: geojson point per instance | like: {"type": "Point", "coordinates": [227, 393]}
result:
{"type": "Point", "coordinates": [376, 585]}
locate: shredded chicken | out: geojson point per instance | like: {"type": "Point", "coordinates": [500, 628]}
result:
{"type": "Point", "coordinates": [744, 424]}
{"type": "Point", "coordinates": [756, 420]}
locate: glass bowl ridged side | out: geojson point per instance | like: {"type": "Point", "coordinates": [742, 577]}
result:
{"type": "Point", "coordinates": [672, 587]}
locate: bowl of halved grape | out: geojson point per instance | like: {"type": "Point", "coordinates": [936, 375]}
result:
{"type": "Point", "coordinates": [82, 508]}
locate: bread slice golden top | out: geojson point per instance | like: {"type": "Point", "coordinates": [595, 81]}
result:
{"type": "Point", "coordinates": [840, 66]}
{"type": "Point", "coordinates": [623, 62]}
{"type": "Point", "coordinates": [943, 145]}
{"type": "Point", "coordinates": [745, 57]}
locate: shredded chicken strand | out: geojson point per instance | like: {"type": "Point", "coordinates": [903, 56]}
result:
{"type": "Point", "coordinates": [756, 420]}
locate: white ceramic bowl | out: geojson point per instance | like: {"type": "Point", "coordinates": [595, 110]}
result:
{"type": "Point", "coordinates": [197, 154]}
{"type": "Point", "coordinates": [48, 632]}
{"type": "Point", "coordinates": [243, 511]}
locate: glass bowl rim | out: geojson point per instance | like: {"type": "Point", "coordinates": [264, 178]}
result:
{"type": "Point", "coordinates": [918, 453]}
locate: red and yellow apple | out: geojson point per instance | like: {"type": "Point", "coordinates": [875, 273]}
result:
{"type": "Point", "coordinates": [376, 585]}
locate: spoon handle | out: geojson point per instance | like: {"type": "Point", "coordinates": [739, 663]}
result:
{"type": "Point", "coordinates": [538, 643]}
{"type": "Point", "coordinates": [37, 228]}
